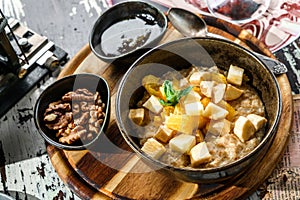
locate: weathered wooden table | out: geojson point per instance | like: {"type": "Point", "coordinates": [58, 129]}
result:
{"type": "Point", "coordinates": [26, 170]}
{"type": "Point", "coordinates": [25, 166]}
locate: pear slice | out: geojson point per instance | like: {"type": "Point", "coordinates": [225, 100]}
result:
{"type": "Point", "coordinates": [199, 154]}
{"type": "Point", "coordinates": [153, 105]}
{"type": "Point", "coordinates": [194, 108]}
{"type": "Point", "coordinates": [182, 123]}
{"type": "Point", "coordinates": [257, 120]}
{"type": "Point", "coordinates": [137, 115]}
{"type": "Point", "coordinates": [206, 88]}
{"type": "Point", "coordinates": [232, 93]}
{"type": "Point", "coordinates": [182, 143]}
{"type": "Point", "coordinates": [219, 127]}
{"type": "Point", "coordinates": [218, 92]}
{"type": "Point", "coordinates": [235, 75]}
{"type": "Point", "coordinates": [153, 148]}
{"type": "Point", "coordinates": [164, 134]}
{"type": "Point", "coordinates": [214, 112]}
{"type": "Point", "coordinates": [243, 128]}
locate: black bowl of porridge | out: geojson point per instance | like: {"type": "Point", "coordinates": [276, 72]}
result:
{"type": "Point", "coordinates": [73, 111]}
{"type": "Point", "coordinates": [200, 109]}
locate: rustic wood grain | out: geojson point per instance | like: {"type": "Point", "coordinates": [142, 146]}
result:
{"type": "Point", "coordinates": [101, 179]}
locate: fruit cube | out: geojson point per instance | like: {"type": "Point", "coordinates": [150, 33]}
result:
{"type": "Point", "coordinates": [199, 154]}
{"type": "Point", "coordinates": [182, 143]}
{"type": "Point", "coordinates": [182, 123]}
{"type": "Point", "coordinates": [164, 134]}
{"type": "Point", "coordinates": [153, 105]}
{"type": "Point", "coordinates": [243, 128]}
{"type": "Point", "coordinates": [214, 112]}
{"type": "Point", "coordinates": [235, 75]}
{"type": "Point", "coordinates": [257, 120]}
{"type": "Point", "coordinates": [153, 148]}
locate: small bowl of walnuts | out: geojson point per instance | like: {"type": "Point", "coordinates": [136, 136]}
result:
{"type": "Point", "coordinates": [72, 112]}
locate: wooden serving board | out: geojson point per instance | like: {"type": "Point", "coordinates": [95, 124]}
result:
{"type": "Point", "coordinates": [109, 169]}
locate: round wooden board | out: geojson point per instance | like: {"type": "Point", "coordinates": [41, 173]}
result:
{"type": "Point", "coordinates": [109, 169]}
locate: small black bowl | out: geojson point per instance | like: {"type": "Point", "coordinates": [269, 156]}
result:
{"type": "Point", "coordinates": [126, 31]}
{"type": "Point", "coordinates": [56, 90]}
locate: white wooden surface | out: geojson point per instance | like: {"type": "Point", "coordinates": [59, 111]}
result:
{"type": "Point", "coordinates": [28, 172]}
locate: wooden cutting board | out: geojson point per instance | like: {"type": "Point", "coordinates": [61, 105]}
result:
{"type": "Point", "coordinates": [111, 170]}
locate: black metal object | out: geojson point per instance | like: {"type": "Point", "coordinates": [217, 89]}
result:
{"type": "Point", "coordinates": [15, 88]}
{"type": "Point", "coordinates": [8, 58]}
{"type": "Point", "coordinates": [26, 58]}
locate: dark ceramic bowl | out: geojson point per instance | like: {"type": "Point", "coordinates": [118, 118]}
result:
{"type": "Point", "coordinates": [178, 55]}
{"type": "Point", "coordinates": [126, 30]}
{"type": "Point", "coordinates": [5, 197]}
{"type": "Point", "coordinates": [56, 90]}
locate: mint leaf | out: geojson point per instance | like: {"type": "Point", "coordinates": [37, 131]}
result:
{"type": "Point", "coordinates": [184, 92]}
{"type": "Point", "coordinates": [173, 96]}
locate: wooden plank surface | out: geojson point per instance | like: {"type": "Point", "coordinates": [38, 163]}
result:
{"type": "Point", "coordinates": [125, 184]}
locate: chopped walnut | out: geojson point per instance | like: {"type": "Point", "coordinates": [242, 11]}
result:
{"type": "Point", "coordinates": [63, 121]}
{"type": "Point", "coordinates": [51, 117]}
{"type": "Point", "coordinates": [84, 106]}
{"type": "Point", "coordinates": [69, 139]}
{"type": "Point", "coordinates": [73, 96]}
{"type": "Point", "coordinates": [75, 108]}
{"type": "Point", "coordinates": [94, 129]}
{"type": "Point", "coordinates": [78, 115]}
{"type": "Point", "coordinates": [83, 119]}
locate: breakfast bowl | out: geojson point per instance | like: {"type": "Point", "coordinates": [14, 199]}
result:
{"type": "Point", "coordinates": [202, 110]}
{"type": "Point", "coordinates": [126, 30]}
{"type": "Point", "coordinates": [72, 112]}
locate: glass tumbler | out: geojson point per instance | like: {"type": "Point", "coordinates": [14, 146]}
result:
{"type": "Point", "coordinates": [238, 11]}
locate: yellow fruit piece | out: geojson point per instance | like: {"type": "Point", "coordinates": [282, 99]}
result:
{"type": "Point", "coordinates": [164, 134]}
{"type": "Point", "coordinates": [202, 121]}
{"type": "Point", "coordinates": [178, 109]}
{"type": "Point", "coordinates": [150, 79]}
{"type": "Point", "coordinates": [257, 120]}
{"type": "Point", "coordinates": [197, 89]}
{"type": "Point", "coordinates": [205, 101]}
{"type": "Point", "coordinates": [231, 111]}
{"type": "Point", "coordinates": [168, 110]}
{"type": "Point", "coordinates": [243, 128]}
{"type": "Point", "coordinates": [219, 78]}
{"type": "Point", "coordinates": [153, 89]}
{"type": "Point", "coordinates": [214, 112]}
{"type": "Point", "coordinates": [235, 75]}
{"type": "Point", "coordinates": [199, 154]}
{"type": "Point", "coordinates": [153, 105]}
{"type": "Point", "coordinates": [182, 143]}
{"type": "Point", "coordinates": [182, 123]}
{"type": "Point", "coordinates": [232, 93]}
{"type": "Point", "coordinates": [151, 85]}
{"type": "Point", "coordinates": [153, 148]}
{"type": "Point", "coordinates": [137, 115]}
{"type": "Point", "coordinates": [219, 127]}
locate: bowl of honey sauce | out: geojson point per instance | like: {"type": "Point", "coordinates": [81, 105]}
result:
{"type": "Point", "coordinates": [126, 31]}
